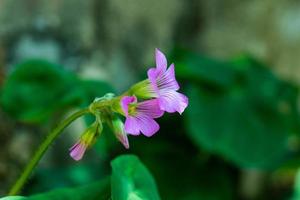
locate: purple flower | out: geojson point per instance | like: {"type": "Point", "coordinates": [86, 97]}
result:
{"type": "Point", "coordinates": [140, 115]}
{"type": "Point", "coordinates": [164, 84]}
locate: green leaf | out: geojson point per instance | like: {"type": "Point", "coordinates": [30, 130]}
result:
{"type": "Point", "coordinates": [132, 180]}
{"type": "Point", "coordinates": [250, 123]}
{"type": "Point", "coordinates": [36, 89]}
{"type": "Point", "coordinates": [14, 198]}
{"type": "Point", "coordinates": [296, 194]}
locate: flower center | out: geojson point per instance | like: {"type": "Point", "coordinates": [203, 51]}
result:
{"type": "Point", "coordinates": [132, 109]}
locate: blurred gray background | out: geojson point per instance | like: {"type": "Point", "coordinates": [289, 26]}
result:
{"type": "Point", "coordinates": [103, 34]}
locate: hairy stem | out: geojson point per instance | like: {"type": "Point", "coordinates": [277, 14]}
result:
{"type": "Point", "coordinates": [42, 149]}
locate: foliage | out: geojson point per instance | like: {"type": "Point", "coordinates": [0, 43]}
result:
{"type": "Point", "coordinates": [37, 89]}
{"type": "Point", "coordinates": [130, 179]}
{"type": "Point", "coordinates": [14, 198]}
{"type": "Point", "coordinates": [239, 110]}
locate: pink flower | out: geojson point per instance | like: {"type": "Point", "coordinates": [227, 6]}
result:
{"type": "Point", "coordinates": [164, 84]}
{"type": "Point", "coordinates": [140, 115]}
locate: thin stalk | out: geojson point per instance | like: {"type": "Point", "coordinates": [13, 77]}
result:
{"type": "Point", "coordinates": [42, 149]}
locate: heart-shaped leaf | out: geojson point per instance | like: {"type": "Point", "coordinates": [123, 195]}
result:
{"type": "Point", "coordinates": [250, 122]}
{"type": "Point", "coordinates": [132, 180]}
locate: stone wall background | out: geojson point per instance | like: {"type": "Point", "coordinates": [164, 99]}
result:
{"type": "Point", "coordinates": [108, 33]}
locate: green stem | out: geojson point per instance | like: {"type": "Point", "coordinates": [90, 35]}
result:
{"type": "Point", "coordinates": [42, 149]}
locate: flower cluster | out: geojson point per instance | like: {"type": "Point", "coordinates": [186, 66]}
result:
{"type": "Point", "coordinates": [140, 105]}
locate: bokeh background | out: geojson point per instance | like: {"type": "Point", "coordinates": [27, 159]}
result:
{"type": "Point", "coordinates": [237, 61]}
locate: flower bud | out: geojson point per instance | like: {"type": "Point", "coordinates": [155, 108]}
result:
{"type": "Point", "coordinates": [86, 140]}
{"type": "Point", "coordinates": [117, 127]}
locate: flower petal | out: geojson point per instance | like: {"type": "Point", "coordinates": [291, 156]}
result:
{"type": "Point", "coordinates": [141, 123]}
{"type": "Point", "coordinates": [161, 61]}
{"type": "Point", "coordinates": [172, 101]}
{"type": "Point", "coordinates": [148, 126]}
{"type": "Point", "coordinates": [150, 108]}
{"type": "Point", "coordinates": [125, 101]}
{"type": "Point", "coordinates": [152, 76]}
{"type": "Point", "coordinates": [167, 80]}
{"type": "Point", "coordinates": [132, 126]}
{"type": "Point", "coordinates": [77, 150]}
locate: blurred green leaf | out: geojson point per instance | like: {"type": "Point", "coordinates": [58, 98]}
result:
{"type": "Point", "coordinates": [296, 195]}
{"type": "Point", "coordinates": [229, 126]}
{"type": "Point", "coordinates": [250, 122]}
{"type": "Point", "coordinates": [94, 88]}
{"type": "Point", "coordinates": [36, 89]}
{"type": "Point", "coordinates": [193, 67]}
{"type": "Point", "coordinates": [266, 90]}
{"type": "Point", "coordinates": [64, 176]}
{"type": "Point", "coordinates": [14, 198]}
{"type": "Point", "coordinates": [132, 180]}
{"type": "Point", "coordinates": [96, 191]}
